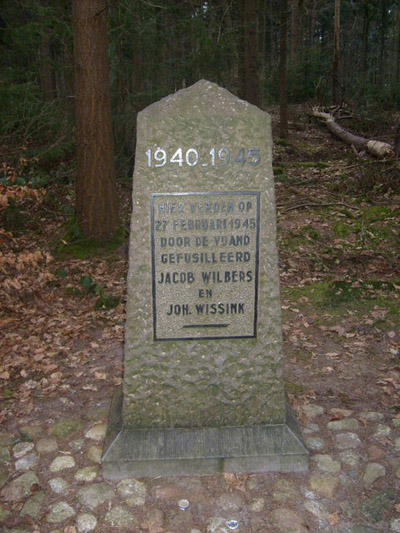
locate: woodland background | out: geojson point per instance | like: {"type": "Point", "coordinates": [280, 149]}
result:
{"type": "Point", "coordinates": [73, 76]}
{"type": "Point", "coordinates": [318, 51]}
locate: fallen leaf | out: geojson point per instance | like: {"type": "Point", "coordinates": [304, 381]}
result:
{"type": "Point", "coordinates": [89, 387]}
{"type": "Point", "coordinates": [333, 519]}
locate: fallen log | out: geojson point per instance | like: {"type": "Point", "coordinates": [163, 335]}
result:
{"type": "Point", "coordinates": [378, 149]}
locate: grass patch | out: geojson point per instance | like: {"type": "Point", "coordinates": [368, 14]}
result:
{"type": "Point", "coordinates": [338, 296]}
{"type": "Point", "coordinates": [342, 229]}
{"type": "Point", "coordinates": [74, 244]}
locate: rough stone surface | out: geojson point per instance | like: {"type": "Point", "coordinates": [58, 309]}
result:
{"type": "Point", "coordinates": [95, 495]}
{"type": "Point", "coordinates": [58, 485]}
{"type": "Point", "coordinates": [313, 443]}
{"type": "Point", "coordinates": [257, 504]}
{"type": "Point", "coordinates": [155, 520]}
{"type": "Point", "coordinates": [76, 445]}
{"type": "Point", "coordinates": [133, 491]}
{"type": "Point", "coordinates": [88, 473]}
{"type": "Point", "coordinates": [372, 416]}
{"type": "Point", "coordinates": [395, 525]}
{"type": "Point", "coordinates": [372, 509]}
{"type": "Point", "coordinates": [22, 448]}
{"type": "Point", "coordinates": [59, 512]}
{"type": "Point", "coordinates": [200, 117]}
{"type": "Point", "coordinates": [217, 524]}
{"type": "Point", "coordinates": [94, 454]}
{"type": "Point", "coordinates": [172, 397]}
{"type": "Point", "coordinates": [86, 522]}
{"type": "Point", "coordinates": [99, 412]}
{"type": "Point", "coordinates": [360, 498]}
{"type": "Point", "coordinates": [230, 502]}
{"type": "Point", "coordinates": [347, 424]}
{"type": "Point", "coordinates": [120, 517]}
{"type": "Point", "coordinates": [97, 432]}
{"type": "Point", "coordinates": [6, 439]}
{"type": "Point", "coordinates": [348, 440]}
{"type": "Point", "coordinates": [31, 431]}
{"type": "Point", "coordinates": [375, 453]}
{"type": "Point", "coordinates": [312, 410]}
{"type": "Point", "coordinates": [26, 462]}
{"type": "Point", "coordinates": [326, 463]}
{"type": "Point", "coordinates": [318, 509]}
{"type": "Point", "coordinates": [373, 472]}
{"type": "Point", "coordinates": [64, 428]}
{"type": "Point", "coordinates": [20, 487]}
{"type": "Point", "coordinates": [287, 521]}
{"type": "Point", "coordinates": [360, 528]}
{"type": "Point", "coordinates": [47, 445]}
{"type": "Point", "coordinates": [62, 462]}
{"type": "Point", "coordinates": [311, 428]}
{"type": "Point", "coordinates": [382, 432]}
{"type": "Point", "coordinates": [33, 505]}
{"type": "Point", "coordinates": [350, 457]}
{"type": "Point", "coordinates": [284, 490]}
{"type": "Point", "coordinates": [324, 485]}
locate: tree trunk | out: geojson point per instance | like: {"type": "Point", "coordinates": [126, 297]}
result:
{"type": "Point", "coordinates": [294, 25]}
{"type": "Point", "coordinates": [282, 69]}
{"type": "Point", "coordinates": [47, 77]}
{"type": "Point", "coordinates": [96, 193]}
{"type": "Point", "coordinates": [366, 24]}
{"type": "Point", "coordinates": [397, 142]}
{"type": "Point", "coordinates": [252, 86]}
{"type": "Point", "coordinates": [313, 19]}
{"type": "Point", "coordinates": [397, 51]}
{"type": "Point", "coordinates": [271, 35]}
{"type": "Point", "coordinates": [336, 97]}
{"type": "Point", "coordinates": [382, 44]}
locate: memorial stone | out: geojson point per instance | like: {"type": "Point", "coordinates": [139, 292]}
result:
{"type": "Point", "coordinates": [203, 389]}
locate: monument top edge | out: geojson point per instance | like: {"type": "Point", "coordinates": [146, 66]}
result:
{"type": "Point", "coordinates": [203, 88]}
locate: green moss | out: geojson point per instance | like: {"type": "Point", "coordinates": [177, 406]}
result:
{"type": "Point", "coordinates": [342, 229]}
{"type": "Point", "coordinates": [313, 234]}
{"type": "Point", "coordinates": [76, 245]}
{"type": "Point", "coordinates": [339, 296]}
{"type": "Point", "coordinates": [291, 244]}
{"type": "Point", "coordinates": [64, 428]}
{"type": "Point", "coordinates": [282, 142]}
{"type": "Point", "coordinates": [282, 178]}
{"type": "Point", "coordinates": [293, 388]}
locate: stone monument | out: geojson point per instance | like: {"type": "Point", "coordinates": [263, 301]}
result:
{"type": "Point", "coordinates": [203, 389]}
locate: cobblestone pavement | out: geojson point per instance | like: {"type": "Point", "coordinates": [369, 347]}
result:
{"type": "Point", "coordinates": [51, 481]}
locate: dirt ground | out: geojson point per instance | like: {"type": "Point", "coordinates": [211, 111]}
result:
{"type": "Point", "coordinates": [339, 256]}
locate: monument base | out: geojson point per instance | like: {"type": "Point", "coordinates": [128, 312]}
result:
{"type": "Point", "coordinates": [192, 451]}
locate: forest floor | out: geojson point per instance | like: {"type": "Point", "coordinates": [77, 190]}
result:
{"type": "Point", "coordinates": [62, 323]}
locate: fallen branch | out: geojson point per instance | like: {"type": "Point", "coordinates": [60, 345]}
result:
{"type": "Point", "coordinates": [301, 206]}
{"type": "Point", "coordinates": [378, 149]}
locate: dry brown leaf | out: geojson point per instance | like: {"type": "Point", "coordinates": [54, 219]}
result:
{"type": "Point", "coordinates": [333, 519]}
